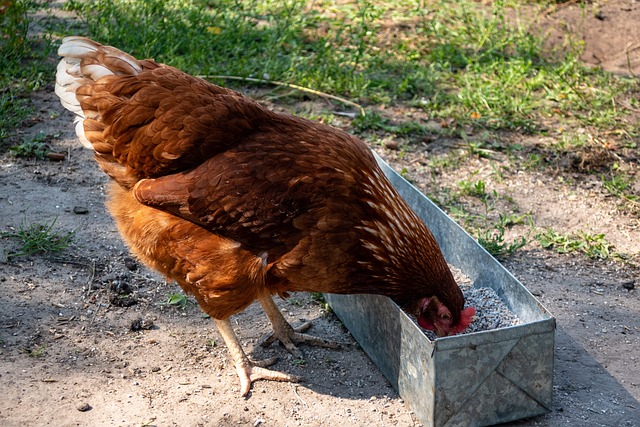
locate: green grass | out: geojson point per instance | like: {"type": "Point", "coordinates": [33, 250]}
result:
{"type": "Point", "coordinates": [177, 299]}
{"type": "Point", "coordinates": [374, 121]}
{"type": "Point", "coordinates": [451, 59]}
{"type": "Point", "coordinates": [493, 241]}
{"type": "Point", "coordinates": [470, 188]}
{"type": "Point", "coordinates": [23, 66]}
{"type": "Point", "coordinates": [35, 147]}
{"type": "Point", "coordinates": [39, 238]}
{"type": "Point", "coordinates": [460, 61]}
{"type": "Point", "coordinates": [283, 40]}
{"type": "Point", "coordinates": [36, 352]}
{"type": "Point", "coordinates": [486, 215]}
{"type": "Point", "coordinates": [620, 184]}
{"type": "Point", "coordinates": [592, 245]}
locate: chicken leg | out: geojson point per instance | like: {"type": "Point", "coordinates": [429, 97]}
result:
{"type": "Point", "coordinates": [288, 335]}
{"type": "Point", "coordinates": [247, 370]}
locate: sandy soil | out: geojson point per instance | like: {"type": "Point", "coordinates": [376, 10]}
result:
{"type": "Point", "coordinates": [70, 353]}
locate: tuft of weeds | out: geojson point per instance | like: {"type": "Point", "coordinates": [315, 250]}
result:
{"type": "Point", "coordinates": [477, 149]}
{"type": "Point", "coordinates": [37, 351]}
{"type": "Point", "coordinates": [177, 299]}
{"type": "Point", "coordinates": [23, 66]}
{"type": "Point", "coordinates": [493, 241]}
{"type": "Point", "coordinates": [39, 238]}
{"type": "Point", "coordinates": [36, 147]}
{"type": "Point", "coordinates": [299, 362]}
{"type": "Point", "coordinates": [594, 246]}
{"type": "Point", "coordinates": [620, 184]}
{"type": "Point", "coordinates": [492, 238]}
{"type": "Point", "coordinates": [319, 298]}
{"type": "Point", "coordinates": [374, 121]}
{"type": "Point", "coordinates": [488, 230]}
{"type": "Point", "coordinates": [533, 161]}
{"type": "Point", "coordinates": [475, 189]}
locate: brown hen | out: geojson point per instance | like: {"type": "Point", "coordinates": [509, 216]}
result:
{"type": "Point", "coordinates": [237, 203]}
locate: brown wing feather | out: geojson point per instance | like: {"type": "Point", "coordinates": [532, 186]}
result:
{"type": "Point", "coordinates": [163, 121]}
{"type": "Point", "coordinates": [267, 192]}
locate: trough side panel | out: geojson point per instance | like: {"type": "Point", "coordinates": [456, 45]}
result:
{"type": "Point", "coordinates": [528, 366]}
{"type": "Point", "coordinates": [370, 320]}
{"type": "Point", "coordinates": [461, 372]}
{"type": "Point", "coordinates": [506, 401]}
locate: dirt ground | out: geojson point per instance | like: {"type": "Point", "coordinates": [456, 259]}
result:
{"type": "Point", "coordinates": [72, 351]}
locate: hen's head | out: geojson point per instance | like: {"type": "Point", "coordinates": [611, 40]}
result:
{"type": "Point", "coordinates": [436, 316]}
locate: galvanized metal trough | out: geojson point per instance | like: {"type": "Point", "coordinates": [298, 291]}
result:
{"type": "Point", "coordinates": [477, 379]}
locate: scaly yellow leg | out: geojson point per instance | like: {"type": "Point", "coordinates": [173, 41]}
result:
{"type": "Point", "coordinates": [286, 334]}
{"type": "Point", "coordinates": [248, 371]}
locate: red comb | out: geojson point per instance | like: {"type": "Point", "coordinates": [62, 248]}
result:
{"type": "Point", "coordinates": [466, 318]}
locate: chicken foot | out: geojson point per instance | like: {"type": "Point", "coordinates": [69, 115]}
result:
{"type": "Point", "coordinates": [288, 335]}
{"type": "Point", "coordinates": [249, 371]}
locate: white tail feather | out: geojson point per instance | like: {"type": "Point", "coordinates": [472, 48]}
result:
{"type": "Point", "coordinates": [80, 133]}
{"type": "Point", "coordinates": [78, 47]}
{"type": "Point", "coordinates": [95, 71]}
{"type": "Point", "coordinates": [83, 62]}
{"type": "Point", "coordinates": [66, 86]}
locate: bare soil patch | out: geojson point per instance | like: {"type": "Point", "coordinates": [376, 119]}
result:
{"type": "Point", "coordinates": [609, 31]}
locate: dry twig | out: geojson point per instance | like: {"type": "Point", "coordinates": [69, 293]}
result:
{"type": "Point", "coordinates": [292, 86]}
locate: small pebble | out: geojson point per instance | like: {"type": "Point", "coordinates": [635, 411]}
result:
{"type": "Point", "coordinates": [80, 210]}
{"type": "Point", "coordinates": [140, 324]}
{"type": "Point", "coordinates": [83, 407]}
{"type": "Point", "coordinates": [391, 144]}
{"type": "Point", "coordinates": [130, 264]}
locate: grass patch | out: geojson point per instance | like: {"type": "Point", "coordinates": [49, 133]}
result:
{"type": "Point", "coordinates": [23, 66]}
{"type": "Point", "coordinates": [36, 352]}
{"type": "Point", "coordinates": [455, 59]}
{"type": "Point", "coordinates": [39, 238]}
{"type": "Point", "coordinates": [621, 184]}
{"type": "Point", "coordinates": [177, 299]}
{"type": "Point", "coordinates": [286, 41]}
{"type": "Point", "coordinates": [462, 62]}
{"type": "Point", "coordinates": [492, 236]}
{"type": "Point", "coordinates": [486, 221]}
{"type": "Point", "coordinates": [492, 74]}
{"type": "Point", "coordinates": [594, 246]}
{"type": "Point", "coordinates": [35, 147]}
{"type": "Point", "coordinates": [493, 241]}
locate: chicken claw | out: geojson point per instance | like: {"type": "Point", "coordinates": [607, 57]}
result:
{"type": "Point", "coordinates": [288, 335]}
{"type": "Point", "coordinates": [249, 371]}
